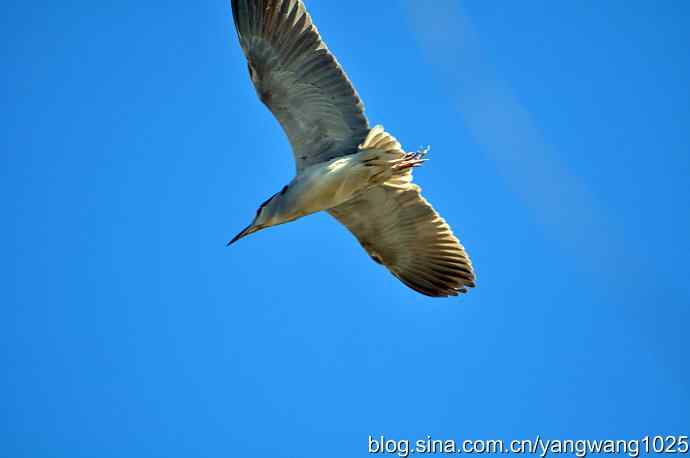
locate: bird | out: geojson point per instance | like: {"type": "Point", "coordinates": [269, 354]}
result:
{"type": "Point", "coordinates": [358, 174]}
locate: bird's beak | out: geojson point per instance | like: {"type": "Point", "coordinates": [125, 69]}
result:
{"type": "Point", "coordinates": [248, 230]}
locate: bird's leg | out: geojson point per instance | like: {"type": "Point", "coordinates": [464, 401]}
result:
{"type": "Point", "coordinates": [414, 159]}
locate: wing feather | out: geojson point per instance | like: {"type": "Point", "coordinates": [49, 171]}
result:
{"type": "Point", "coordinates": [401, 230]}
{"type": "Point", "coordinates": [299, 80]}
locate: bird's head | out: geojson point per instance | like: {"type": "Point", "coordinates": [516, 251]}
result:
{"type": "Point", "coordinates": [268, 214]}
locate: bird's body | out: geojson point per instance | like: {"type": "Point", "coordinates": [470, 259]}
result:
{"type": "Point", "coordinates": [326, 185]}
{"type": "Point", "coordinates": [360, 175]}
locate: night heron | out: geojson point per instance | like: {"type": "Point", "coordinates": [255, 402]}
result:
{"type": "Point", "coordinates": [360, 175]}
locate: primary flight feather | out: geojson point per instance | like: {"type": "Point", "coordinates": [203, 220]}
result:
{"type": "Point", "coordinates": [358, 174]}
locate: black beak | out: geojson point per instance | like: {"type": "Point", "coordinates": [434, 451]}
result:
{"type": "Point", "coordinates": [245, 232]}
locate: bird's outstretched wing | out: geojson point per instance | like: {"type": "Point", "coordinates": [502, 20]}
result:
{"type": "Point", "coordinates": [402, 231]}
{"type": "Point", "coordinates": [299, 80]}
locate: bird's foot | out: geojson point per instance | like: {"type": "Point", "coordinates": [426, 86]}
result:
{"type": "Point", "coordinates": [422, 151]}
{"type": "Point", "coordinates": [414, 159]}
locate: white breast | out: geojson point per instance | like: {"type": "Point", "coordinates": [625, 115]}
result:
{"type": "Point", "coordinates": [329, 184]}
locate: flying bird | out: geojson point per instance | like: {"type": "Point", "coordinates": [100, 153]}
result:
{"type": "Point", "coordinates": [360, 175]}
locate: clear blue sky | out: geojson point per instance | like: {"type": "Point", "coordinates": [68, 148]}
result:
{"type": "Point", "coordinates": [134, 148]}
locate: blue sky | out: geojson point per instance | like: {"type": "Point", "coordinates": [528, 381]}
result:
{"type": "Point", "coordinates": [134, 148]}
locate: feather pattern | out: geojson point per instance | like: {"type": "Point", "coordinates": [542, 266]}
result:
{"type": "Point", "coordinates": [401, 230]}
{"type": "Point", "coordinates": [299, 80]}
